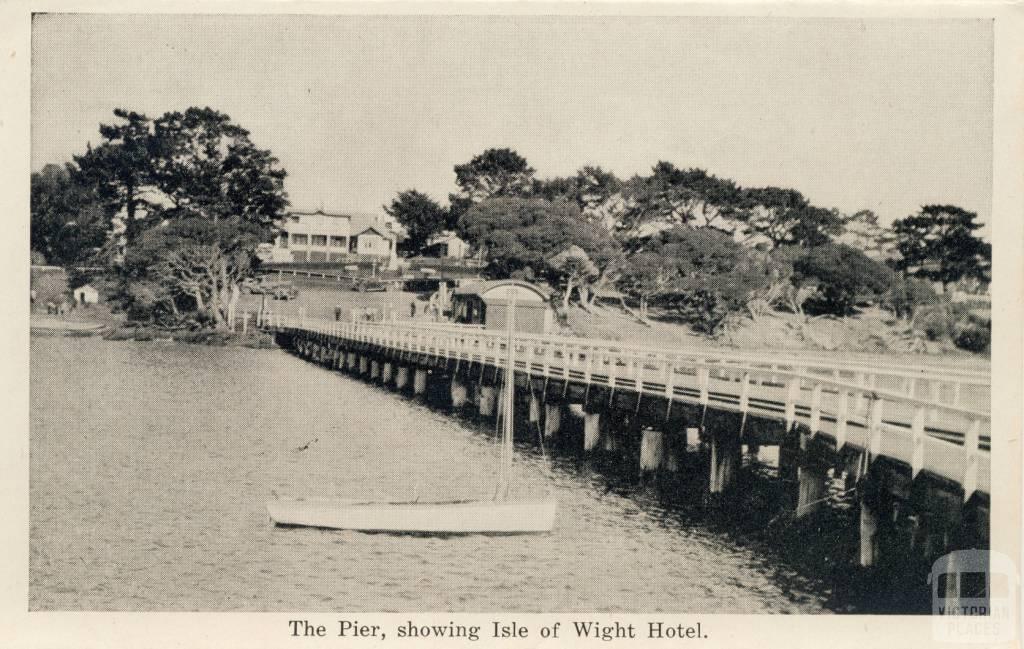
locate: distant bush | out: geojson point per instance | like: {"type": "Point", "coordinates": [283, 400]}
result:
{"type": "Point", "coordinates": [50, 286]}
{"type": "Point", "coordinates": [710, 276]}
{"type": "Point", "coordinates": [844, 276]}
{"type": "Point", "coordinates": [935, 321]}
{"type": "Point", "coordinates": [973, 336]}
{"type": "Point", "coordinates": [957, 323]}
{"type": "Point", "coordinates": [906, 295]}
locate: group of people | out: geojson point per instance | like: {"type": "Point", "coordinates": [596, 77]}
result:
{"type": "Point", "coordinates": [431, 310]}
{"type": "Point", "coordinates": [59, 308]}
{"type": "Point", "coordinates": [362, 314]}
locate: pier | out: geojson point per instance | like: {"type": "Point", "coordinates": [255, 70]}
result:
{"type": "Point", "coordinates": [914, 441]}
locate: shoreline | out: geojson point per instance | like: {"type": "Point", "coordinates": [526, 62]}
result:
{"type": "Point", "coordinates": [98, 321]}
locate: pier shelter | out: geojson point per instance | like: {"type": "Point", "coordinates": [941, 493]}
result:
{"type": "Point", "coordinates": [488, 304]}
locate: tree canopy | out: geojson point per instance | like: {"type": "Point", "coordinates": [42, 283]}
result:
{"type": "Point", "coordinates": [938, 243]}
{"type": "Point", "coordinates": [69, 222]}
{"type": "Point", "coordinates": [702, 274]}
{"type": "Point", "coordinates": [493, 173]}
{"type": "Point", "coordinates": [672, 196]}
{"type": "Point", "coordinates": [519, 235]}
{"type": "Point", "coordinates": [842, 274]}
{"type": "Point", "coordinates": [197, 197]}
{"type": "Point", "coordinates": [420, 215]}
{"type": "Point", "coordinates": [120, 170]}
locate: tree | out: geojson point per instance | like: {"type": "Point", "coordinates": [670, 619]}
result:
{"type": "Point", "coordinates": [519, 235]}
{"type": "Point", "coordinates": [493, 173]}
{"type": "Point", "coordinates": [68, 223]}
{"type": "Point", "coordinates": [207, 167]}
{"type": "Point", "coordinates": [192, 264]}
{"type": "Point", "coordinates": [572, 268]}
{"type": "Point", "coordinates": [938, 243]}
{"type": "Point", "coordinates": [210, 195]}
{"type": "Point", "coordinates": [646, 276]}
{"type": "Point", "coordinates": [671, 196]}
{"type": "Point", "coordinates": [702, 274]}
{"type": "Point", "coordinates": [907, 295]}
{"type": "Point", "coordinates": [843, 276]}
{"type": "Point", "coordinates": [224, 196]}
{"type": "Point", "coordinates": [120, 171]}
{"type": "Point", "coordinates": [784, 217]}
{"type": "Point", "coordinates": [420, 215]}
{"type": "Point", "coordinates": [862, 231]}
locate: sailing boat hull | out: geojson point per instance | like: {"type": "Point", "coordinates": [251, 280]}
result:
{"type": "Point", "coordinates": [463, 517]}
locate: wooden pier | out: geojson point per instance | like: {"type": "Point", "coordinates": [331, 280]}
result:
{"type": "Point", "coordinates": [889, 427]}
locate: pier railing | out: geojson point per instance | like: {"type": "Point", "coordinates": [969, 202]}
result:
{"type": "Point", "coordinates": [933, 418]}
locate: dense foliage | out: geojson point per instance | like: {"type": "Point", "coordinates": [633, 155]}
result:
{"type": "Point", "coordinates": [711, 276]}
{"type": "Point", "coordinates": [182, 202]}
{"type": "Point", "coordinates": [843, 277]}
{"type": "Point", "coordinates": [692, 245]}
{"type": "Point", "coordinates": [521, 235]}
{"type": "Point", "coordinates": [178, 204]}
{"type": "Point", "coordinates": [421, 217]}
{"type": "Point", "coordinates": [68, 220]}
{"type": "Point", "coordinates": [938, 243]}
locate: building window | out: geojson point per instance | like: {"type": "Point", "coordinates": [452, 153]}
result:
{"type": "Point", "coordinates": [319, 240]}
{"type": "Point", "coordinates": [293, 219]}
{"type": "Point", "coordinates": [337, 242]}
{"type": "Point", "coordinates": [282, 241]}
{"type": "Point", "coordinates": [300, 239]}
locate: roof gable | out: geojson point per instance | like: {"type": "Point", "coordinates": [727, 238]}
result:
{"type": "Point", "coordinates": [372, 229]}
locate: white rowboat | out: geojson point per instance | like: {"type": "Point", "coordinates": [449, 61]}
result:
{"type": "Point", "coordinates": [500, 515]}
{"type": "Point", "coordinates": [465, 517]}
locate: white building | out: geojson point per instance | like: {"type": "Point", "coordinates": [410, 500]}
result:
{"type": "Point", "coordinates": [86, 295]}
{"type": "Point", "coordinates": [447, 244]}
{"type": "Point", "coordinates": [311, 237]}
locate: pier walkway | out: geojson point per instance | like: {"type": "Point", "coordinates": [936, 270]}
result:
{"type": "Point", "coordinates": [932, 418]}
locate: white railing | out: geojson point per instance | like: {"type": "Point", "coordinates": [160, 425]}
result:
{"type": "Point", "coordinates": [929, 417]}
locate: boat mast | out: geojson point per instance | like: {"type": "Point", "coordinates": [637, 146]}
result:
{"type": "Point", "coordinates": [505, 469]}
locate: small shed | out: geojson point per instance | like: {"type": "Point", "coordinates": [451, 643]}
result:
{"type": "Point", "coordinates": [86, 295]}
{"type": "Point", "coordinates": [488, 303]}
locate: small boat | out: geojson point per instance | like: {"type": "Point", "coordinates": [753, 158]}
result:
{"type": "Point", "coordinates": [498, 515]}
{"type": "Point", "coordinates": [451, 517]}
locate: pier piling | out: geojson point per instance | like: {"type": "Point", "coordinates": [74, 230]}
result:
{"type": "Point", "coordinates": [652, 450]}
{"type": "Point", "coordinates": [487, 400]}
{"type": "Point", "coordinates": [460, 394]}
{"type": "Point", "coordinates": [552, 419]}
{"type": "Point", "coordinates": [419, 381]}
{"type": "Point", "coordinates": [591, 430]}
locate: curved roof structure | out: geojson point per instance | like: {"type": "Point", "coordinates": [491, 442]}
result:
{"type": "Point", "coordinates": [484, 287]}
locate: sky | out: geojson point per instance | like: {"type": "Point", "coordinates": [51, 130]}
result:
{"type": "Point", "coordinates": [881, 114]}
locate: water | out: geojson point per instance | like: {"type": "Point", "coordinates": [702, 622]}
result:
{"type": "Point", "coordinates": [151, 464]}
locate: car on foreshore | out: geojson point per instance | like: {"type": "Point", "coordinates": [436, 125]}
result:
{"type": "Point", "coordinates": [368, 285]}
{"type": "Point", "coordinates": [284, 292]}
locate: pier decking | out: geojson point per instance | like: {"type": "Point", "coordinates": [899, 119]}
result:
{"type": "Point", "coordinates": [933, 419]}
{"type": "Point", "coordinates": [913, 441]}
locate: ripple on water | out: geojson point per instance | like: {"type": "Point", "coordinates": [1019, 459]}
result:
{"type": "Point", "coordinates": [161, 458]}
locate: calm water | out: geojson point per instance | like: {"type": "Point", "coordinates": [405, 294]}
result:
{"type": "Point", "coordinates": [151, 464]}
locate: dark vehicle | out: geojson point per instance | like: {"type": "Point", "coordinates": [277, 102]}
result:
{"type": "Point", "coordinates": [367, 285]}
{"type": "Point", "coordinates": [283, 292]}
